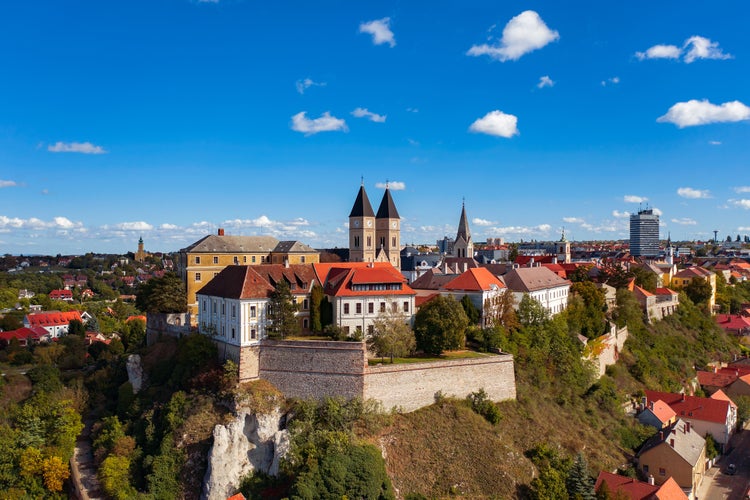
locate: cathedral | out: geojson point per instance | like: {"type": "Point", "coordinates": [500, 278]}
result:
{"type": "Point", "coordinates": [375, 237]}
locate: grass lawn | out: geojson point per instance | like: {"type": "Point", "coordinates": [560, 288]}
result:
{"type": "Point", "coordinates": [424, 358]}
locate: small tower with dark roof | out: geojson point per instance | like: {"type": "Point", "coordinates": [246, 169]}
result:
{"type": "Point", "coordinates": [362, 229]}
{"type": "Point", "coordinates": [463, 246]}
{"type": "Point", "coordinates": [140, 255]}
{"type": "Point", "coordinates": [562, 249]}
{"type": "Point", "coordinates": [388, 231]}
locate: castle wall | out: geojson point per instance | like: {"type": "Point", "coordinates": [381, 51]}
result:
{"type": "Point", "coordinates": [412, 386]}
{"type": "Point", "coordinates": [314, 369]}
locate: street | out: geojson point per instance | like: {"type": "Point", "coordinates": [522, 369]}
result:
{"type": "Point", "coordinates": [717, 484]}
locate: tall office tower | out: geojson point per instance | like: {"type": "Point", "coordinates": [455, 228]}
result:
{"type": "Point", "coordinates": [644, 234]}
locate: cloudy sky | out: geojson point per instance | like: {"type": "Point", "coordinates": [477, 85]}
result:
{"type": "Point", "coordinates": [169, 119]}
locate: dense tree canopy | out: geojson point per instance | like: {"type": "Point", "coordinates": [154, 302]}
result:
{"type": "Point", "coordinates": [282, 309]}
{"type": "Point", "coordinates": [162, 295]}
{"type": "Point", "coordinates": [392, 336]}
{"type": "Point", "coordinates": [440, 325]}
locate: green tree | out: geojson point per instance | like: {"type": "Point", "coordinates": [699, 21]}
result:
{"type": "Point", "coordinates": [75, 327]}
{"type": "Point", "coordinates": [316, 301]}
{"type": "Point", "coordinates": [134, 335]}
{"type": "Point", "coordinates": [614, 274]}
{"type": "Point", "coordinates": [440, 325]}
{"type": "Point", "coordinates": [282, 309]}
{"type": "Point", "coordinates": [500, 311]}
{"type": "Point", "coordinates": [699, 291]}
{"type": "Point", "coordinates": [531, 312]}
{"type": "Point", "coordinates": [644, 278]}
{"type": "Point", "coordinates": [162, 295]}
{"type": "Point", "coordinates": [392, 336]}
{"type": "Point", "coordinates": [579, 483]}
{"type": "Point", "coordinates": [471, 311]}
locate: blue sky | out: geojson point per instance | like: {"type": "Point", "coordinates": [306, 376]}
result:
{"type": "Point", "coordinates": [169, 119]}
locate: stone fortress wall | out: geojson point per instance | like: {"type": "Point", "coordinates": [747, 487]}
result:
{"type": "Point", "coordinates": [316, 369]}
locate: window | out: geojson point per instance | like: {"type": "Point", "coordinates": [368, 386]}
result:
{"type": "Point", "coordinates": [346, 308]}
{"type": "Point", "coordinates": [204, 306]}
{"type": "Point", "coordinates": [645, 469]}
{"type": "Point", "coordinates": [236, 260]}
{"type": "Point", "coordinates": [216, 274]}
{"type": "Point", "coordinates": [234, 311]}
{"type": "Point", "coordinates": [305, 305]}
{"type": "Point", "coordinates": [262, 259]}
{"type": "Point", "coordinates": [233, 336]}
{"type": "Point", "coordinates": [253, 259]}
{"type": "Point", "coordinates": [356, 242]}
{"type": "Point", "coordinates": [382, 241]}
{"type": "Point", "coordinates": [197, 276]}
{"type": "Point", "coordinates": [197, 259]}
{"type": "Point", "coordinates": [223, 308]}
{"type": "Point", "coordinates": [244, 259]}
{"type": "Point", "coordinates": [371, 307]}
{"type": "Point", "coordinates": [393, 241]}
{"type": "Point", "coordinates": [252, 333]}
{"type": "Point", "coordinates": [662, 471]}
{"type": "Point", "coordinates": [359, 308]}
{"type": "Point", "coordinates": [302, 259]}
{"type": "Point", "coordinates": [252, 311]}
{"type": "Point", "coordinates": [394, 307]}
{"type": "Point", "coordinates": [305, 323]}
{"type": "Point", "coordinates": [406, 307]}
{"type": "Point", "coordinates": [216, 259]}
{"type": "Point", "coordinates": [346, 330]}
{"type": "Point", "coordinates": [369, 241]}
{"type": "Point", "coordinates": [382, 307]}
{"type": "Point", "coordinates": [370, 329]}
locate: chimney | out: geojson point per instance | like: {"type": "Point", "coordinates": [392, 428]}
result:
{"type": "Point", "coordinates": [661, 435]}
{"type": "Point", "coordinates": [651, 405]}
{"type": "Point", "coordinates": [466, 266]}
{"type": "Point", "coordinates": [671, 443]}
{"type": "Point", "coordinates": [650, 479]}
{"type": "Point", "coordinates": [286, 263]}
{"type": "Point", "coordinates": [687, 427]}
{"type": "Point", "coordinates": [221, 231]}
{"type": "Point", "coordinates": [683, 396]}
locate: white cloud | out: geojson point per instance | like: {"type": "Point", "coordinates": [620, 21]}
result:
{"type": "Point", "coordinates": [687, 192]}
{"type": "Point", "coordinates": [76, 147]}
{"type": "Point", "coordinates": [365, 113]}
{"type": "Point", "coordinates": [657, 212]}
{"type": "Point", "coordinates": [305, 84]}
{"type": "Point", "coordinates": [412, 141]}
{"type": "Point", "coordinates": [5, 184]}
{"type": "Point", "coordinates": [520, 230]}
{"type": "Point", "coordinates": [392, 185]}
{"type": "Point", "coordinates": [269, 227]}
{"type": "Point", "coordinates": [611, 81]}
{"type": "Point", "coordinates": [695, 112]}
{"type": "Point", "coordinates": [35, 223]}
{"type": "Point", "coordinates": [573, 220]}
{"type": "Point", "coordinates": [660, 52]}
{"type": "Point", "coordinates": [380, 30]}
{"type": "Point", "coordinates": [685, 221]}
{"type": "Point", "coordinates": [743, 228]}
{"type": "Point", "coordinates": [703, 48]}
{"type": "Point", "coordinates": [482, 222]}
{"type": "Point", "coordinates": [695, 47]}
{"type": "Point", "coordinates": [412, 110]}
{"type": "Point", "coordinates": [620, 215]}
{"type": "Point", "coordinates": [64, 223]}
{"type": "Point", "coordinates": [715, 143]}
{"type": "Point", "coordinates": [168, 227]}
{"type": "Point", "coordinates": [545, 81]}
{"type": "Point", "coordinates": [742, 189]}
{"type": "Point", "coordinates": [325, 123]}
{"type": "Point", "coordinates": [496, 123]}
{"type": "Point", "coordinates": [133, 226]}
{"type": "Point", "coordinates": [523, 34]}
{"type": "Point", "coordinates": [743, 203]}
{"type": "Point", "coordinates": [630, 198]}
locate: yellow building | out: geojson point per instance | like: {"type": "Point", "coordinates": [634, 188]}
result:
{"type": "Point", "coordinates": [140, 255]}
{"type": "Point", "coordinates": [683, 277]}
{"type": "Point", "coordinates": [204, 259]}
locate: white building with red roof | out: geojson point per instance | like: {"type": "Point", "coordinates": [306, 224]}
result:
{"type": "Point", "coordinates": [360, 292]}
{"type": "Point", "coordinates": [55, 322]}
{"type": "Point", "coordinates": [25, 336]}
{"type": "Point", "coordinates": [541, 284]}
{"type": "Point", "coordinates": [628, 488]}
{"type": "Point", "coordinates": [481, 286]}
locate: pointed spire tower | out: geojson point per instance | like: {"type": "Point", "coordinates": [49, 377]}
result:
{"type": "Point", "coordinates": [562, 248]}
{"type": "Point", "coordinates": [463, 246]}
{"type": "Point", "coordinates": [670, 250]}
{"type": "Point", "coordinates": [362, 229]}
{"type": "Point", "coordinates": [388, 231]}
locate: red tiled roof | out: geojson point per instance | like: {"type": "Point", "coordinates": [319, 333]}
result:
{"type": "Point", "coordinates": [131, 318]}
{"type": "Point", "coordinates": [61, 294]}
{"type": "Point", "coordinates": [475, 279]}
{"type": "Point", "coordinates": [662, 411]}
{"type": "Point", "coordinates": [523, 260]}
{"type": "Point", "coordinates": [420, 300]}
{"type": "Point", "coordinates": [52, 318]}
{"type": "Point", "coordinates": [732, 321]}
{"type": "Point", "coordinates": [632, 488]}
{"type": "Point", "coordinates": [720, 395]}
{"type": "Point", "coordinates": [642, 291]}
{"type": "Point", "coordinates": [670, 490]}
{"type": "Point", "coordinates": [323, 268]}
{"type": "Point", "coordinates": [375, 275]}
{"type": "Point", "coordinates": [340, 281]}
{"type": "Point", "coordinates": [237, 282]}
{"type": "Point", "coordinates": [721, 378]}
{"type": "Point", "coordinates": [34, 333]}
{"type": "Point", "coordinates": [693, 407]}
{"type": "Point", "coordinates": [665, 291]}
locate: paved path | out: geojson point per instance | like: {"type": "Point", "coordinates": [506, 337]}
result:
{"type": "Point", "coordinates": [83, 466]}
{"type": "Point", "coordinates": [718, 485]}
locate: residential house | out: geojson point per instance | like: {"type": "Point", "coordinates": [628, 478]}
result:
{"type": "Point", "coordinates": [736, 324]}
{"type": "Point", "coordinates": [415, 263]}
{"type": "Point", "coordinates": [661, 303]}
{"type": "Point", "coordinates": [683, 278]}
{"type": "Point", "coordinates": [55, 322]}
{"type": "Point", "coordinates": [65, 295]}
{"type": "Point", "coordinates": [677, 452]}
{"type": "Point", "coordinates": [360, 292]}
{"type": "Point", "coordinates": [657, 414]}
{"type": "Point", "coordinates": [200, 262]}
{"type": "Point", "coordinates": [541, 284]}
{"type": "Point", "coordinates": [706, 415]}
{"type": "Point", "coordinates": [25, 294]}
{"type": "Point", "coordinates": [26, 336]}
{"type": "Point", "coordinates": [482, 287]}
{"type": "Point", "coordinates": [629, 488]}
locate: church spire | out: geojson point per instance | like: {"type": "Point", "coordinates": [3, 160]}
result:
{"type": "Point", "coordinates": [362, 207]}
{"type": "Point", "coordinates": [463, 225]}
{"type": "Point", "coordinates": [387, 209]}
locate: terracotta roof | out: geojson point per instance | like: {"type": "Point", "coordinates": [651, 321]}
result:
{"type": "Point", "coordinates": [665, 291]}
{"type": "Point", "coordinates": [475, 279]}
{"type": "Point", "coordinates": [233, 244]}
{"type": "Point", "coordinates": [670, 490]}
{"type": "Point", "coordinates": [323, 268]}
{"type": "Point", "coordinates": [732, 321]}
{"type": "Point", "coordinates": [237, 282]}
{"type": "Point", "coordinates": [420, 300]}
{"type": "Point", "coordinates": [300, 277]}
{"type": "Point", "coordinates": [721, 378]}
{"type": "Point", "coordinates": [55, 294]}
{"type": "Point", "coordinates": [132, 318]}
{"type": "Point", "coordinates": [237, 496]}
{"type": "Point", "coordinates": [531, 279]}
{"type": "Point", "coordinates": [662, 411]}
{"type": "Point", "coordinates": [693, 272]}
{"type": "Point", "coordinates": [720, 395]}
{"type": "Point", "coordinates": [341, 281]}
{"type": "Point", "coordinates": [642, 291]}
{"type": "Point", "coordinates": [34, 333]}
{"type": "Point", "coordinates": [523, 260]}
{"type": "Point", "coordinates": [632, 488]}
{"type": "Point", "coordinates": [693, 407]}
{"type": "Point", "coordinates": [52, 318]}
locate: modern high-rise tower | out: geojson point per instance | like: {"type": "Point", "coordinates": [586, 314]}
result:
{"type": "Point", "coordinates": [644, 234]}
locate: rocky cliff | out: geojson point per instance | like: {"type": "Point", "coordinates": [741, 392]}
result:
{"type": "Point", "coordinates": [251, 442]}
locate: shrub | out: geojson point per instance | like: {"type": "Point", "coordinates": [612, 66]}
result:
{"type": "Point", "coordinates": [482, 405]}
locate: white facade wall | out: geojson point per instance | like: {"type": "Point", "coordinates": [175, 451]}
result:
{"type": "Point", "coordinates": [554, 300]}
{"type": "Point", "coordinates": [720, 432]}
{"type": "Point", "coordinates": [360, 312]}
{"type": "Point", "coordinates": [234, 321]}
{"type": "Point", "coordinates": [477, 299]}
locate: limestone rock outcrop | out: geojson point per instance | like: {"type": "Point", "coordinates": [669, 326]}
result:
{"type": "Point", "coordinates": [251, 442]}
{"type": "Point", "coordinates": [135, 372]}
